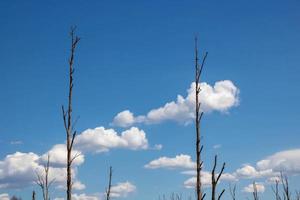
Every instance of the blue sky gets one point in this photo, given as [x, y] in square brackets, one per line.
[137, 56]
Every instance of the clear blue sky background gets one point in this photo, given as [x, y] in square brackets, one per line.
[138, 55]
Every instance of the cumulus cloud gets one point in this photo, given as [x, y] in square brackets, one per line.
[267, 169]
[101, 139]
[250, 172]
[19, 170]
[82, 197]
[4, 196]
[180, 161]
[122, 189]
[270, 167]
[220, 97]
[58, 156]
[205, 178]
[250, 188]
[286, 161]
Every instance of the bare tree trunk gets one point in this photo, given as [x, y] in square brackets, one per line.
[285, 186]
[232, 192]
[276, 190]
[43, 180]
[109, 184]
[33, 195]
[214, 180]
[67, 116]
[255, 193]
[199, 146]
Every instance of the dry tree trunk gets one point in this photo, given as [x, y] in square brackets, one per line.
[232, 192]
[108, 190]
[214, 180]
[285, 186]
[276, 190]
[43, 180]
[33, 195]
[255, 193]
[67, 116]
[199, 114]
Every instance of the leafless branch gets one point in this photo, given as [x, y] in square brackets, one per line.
[255, 193]
[33, 195]
[67, 114]
[232, 192]
[43, 180]
[198, 117]
[214, 180]
[285, 186]
[276, 190]
[108, 190]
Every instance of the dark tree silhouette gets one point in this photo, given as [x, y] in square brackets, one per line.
[43, 180]
[199, 114]
[67, 116]
[232, 192]
[109, 184]
[33, 195]
[215, 180]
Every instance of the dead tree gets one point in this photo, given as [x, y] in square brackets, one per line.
[285, 187]
[108, 190]
[43, 180]
[232, 192]
[199, 114]
[276, 190]
[33, 195]
[67, 116]
[215, 180]
[255, 192]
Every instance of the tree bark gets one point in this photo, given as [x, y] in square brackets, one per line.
[198, 116]
[67, 116]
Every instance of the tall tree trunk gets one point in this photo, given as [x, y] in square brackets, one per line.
[199, 146]
[67, 116]
[33, 195]
[109, 184]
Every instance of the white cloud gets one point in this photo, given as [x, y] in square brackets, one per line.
[158, 147]
[82, 197]
[16, 142]
[180, 161]
[286, 161]
[19, 170]
[122, 189]
[4, 196]
[101, 139]
[205, 178]
[250, 172]
[259, 187]
[126, 118]
[270, 167]
[217, 146]
[220, 97]
[58, 156]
